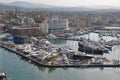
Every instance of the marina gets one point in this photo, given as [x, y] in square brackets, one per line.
[34, 72]
[59, 56]
[63, 65]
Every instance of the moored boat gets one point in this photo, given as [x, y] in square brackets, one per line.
[51, 36]
[92, 49]
[82, 56]
[3, 75]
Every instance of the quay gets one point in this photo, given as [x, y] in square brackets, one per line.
[60, 65]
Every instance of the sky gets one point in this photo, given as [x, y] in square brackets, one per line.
[115, 3]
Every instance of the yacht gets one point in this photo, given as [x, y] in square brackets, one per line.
[51, 36]
[82, 56]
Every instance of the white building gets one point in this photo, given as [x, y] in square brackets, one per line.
[56, 24]
[44, 27]
[30, 21]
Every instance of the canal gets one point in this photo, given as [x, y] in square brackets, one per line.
[18, 68]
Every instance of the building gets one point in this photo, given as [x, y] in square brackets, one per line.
[30, 21]
[19, 39]
[44, 28]
[57, 24]
[27, 31]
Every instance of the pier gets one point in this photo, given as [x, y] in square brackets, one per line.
[70, 38]
[60, 65]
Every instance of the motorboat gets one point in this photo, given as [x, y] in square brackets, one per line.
[3, 75]
[51, 36]
[82, 56]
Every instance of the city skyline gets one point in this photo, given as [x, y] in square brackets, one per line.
[72, 3]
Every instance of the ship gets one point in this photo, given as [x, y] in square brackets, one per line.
[92, 48]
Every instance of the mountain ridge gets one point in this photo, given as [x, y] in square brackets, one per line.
[28, 5]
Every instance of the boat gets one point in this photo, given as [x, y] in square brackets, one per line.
[79, 33]
[82, 56]
[92, 48]
[3, 75]
[68, 35]
[108, 47]
[51, 36]
[66, 50]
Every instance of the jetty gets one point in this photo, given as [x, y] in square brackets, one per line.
[117, 64]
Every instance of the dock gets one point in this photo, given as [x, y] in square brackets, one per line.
[60, 65]
[70, 38]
